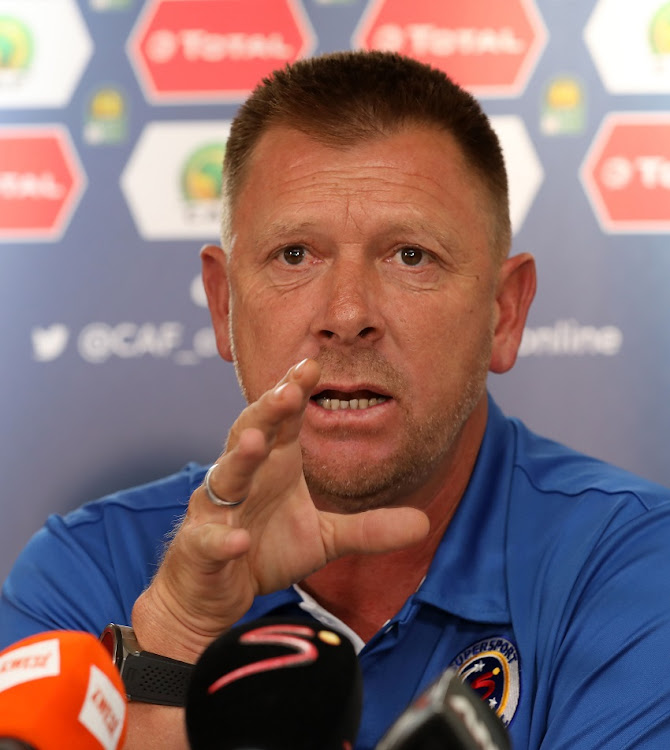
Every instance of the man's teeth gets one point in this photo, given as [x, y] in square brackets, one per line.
[333, 404]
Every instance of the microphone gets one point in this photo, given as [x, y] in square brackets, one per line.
[59, 689]
[275, 683]
[449, 715]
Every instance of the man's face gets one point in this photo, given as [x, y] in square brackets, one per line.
[375, 261]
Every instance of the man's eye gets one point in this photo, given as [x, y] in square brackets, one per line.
[294, 255]
[411, 256]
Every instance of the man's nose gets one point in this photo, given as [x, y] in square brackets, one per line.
[350, 307]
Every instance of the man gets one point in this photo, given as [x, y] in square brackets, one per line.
[363, 292]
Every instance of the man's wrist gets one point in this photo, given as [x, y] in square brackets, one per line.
[158, 630]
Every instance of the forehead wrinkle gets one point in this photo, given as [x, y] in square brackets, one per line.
[375, 177]
[356, 186]
[372, 172]
[355, 203]
[418, 220]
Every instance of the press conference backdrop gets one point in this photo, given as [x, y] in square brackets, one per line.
[114, 122]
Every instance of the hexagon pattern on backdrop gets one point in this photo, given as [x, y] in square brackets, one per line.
[114, 121]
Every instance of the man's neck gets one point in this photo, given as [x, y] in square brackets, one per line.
[365, 591]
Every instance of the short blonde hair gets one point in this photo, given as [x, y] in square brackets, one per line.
[343, 98]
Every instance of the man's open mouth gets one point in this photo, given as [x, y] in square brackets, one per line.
[336, 400]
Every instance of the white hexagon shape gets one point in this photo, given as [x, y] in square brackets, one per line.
[630, 45]
[44, 49]
[524, 170]
[172, 179]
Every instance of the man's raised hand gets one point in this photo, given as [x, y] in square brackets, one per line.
[222, 557]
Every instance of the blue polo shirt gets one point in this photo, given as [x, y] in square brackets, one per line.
[550, 593]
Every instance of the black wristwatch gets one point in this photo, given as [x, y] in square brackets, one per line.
[149, 678]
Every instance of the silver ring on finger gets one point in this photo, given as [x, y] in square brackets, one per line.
[213, 496]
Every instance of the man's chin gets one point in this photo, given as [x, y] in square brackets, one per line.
[356, 490]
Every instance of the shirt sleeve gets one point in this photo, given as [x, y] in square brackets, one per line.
[603, 669]
[86, 569]
[56, 583]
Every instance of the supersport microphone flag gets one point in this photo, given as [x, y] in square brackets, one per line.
[276, 683]
[59, 689]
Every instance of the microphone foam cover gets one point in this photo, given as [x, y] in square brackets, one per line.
[60, 689]
[275, 684]
[448, 715]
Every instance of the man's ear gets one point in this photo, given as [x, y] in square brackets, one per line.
[215, 280]
[516, 289]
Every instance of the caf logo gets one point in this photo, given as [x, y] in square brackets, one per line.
[659, 30]
[106, 116]
[201, 176]
[16, 45]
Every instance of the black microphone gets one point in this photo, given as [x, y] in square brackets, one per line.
[449, 715]
[275, 684]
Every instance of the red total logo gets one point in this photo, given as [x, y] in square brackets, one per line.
[214, 50]
[489, 48]
[41, 181]
[626, 173]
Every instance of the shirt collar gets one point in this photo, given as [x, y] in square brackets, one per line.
[287, 600]
[467, 576]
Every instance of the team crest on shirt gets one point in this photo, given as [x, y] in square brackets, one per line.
[491, 668]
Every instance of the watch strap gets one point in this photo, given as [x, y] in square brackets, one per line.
[151, 678]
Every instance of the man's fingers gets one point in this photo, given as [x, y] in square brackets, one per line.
[277, 413]
[214, 544]
[374, 531]
[231, 477]
[305, 375]
[281, 408]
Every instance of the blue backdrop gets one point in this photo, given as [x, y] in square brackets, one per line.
[114, 119]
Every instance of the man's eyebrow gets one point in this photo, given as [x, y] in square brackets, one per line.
[447, 238]
[280, 229]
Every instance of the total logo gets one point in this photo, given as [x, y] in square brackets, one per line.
[172, 181]
[642, 29]
[488, 48]
[214, 50]
[38, 67]
[99, 342]
[41, 181]
[626, 172]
